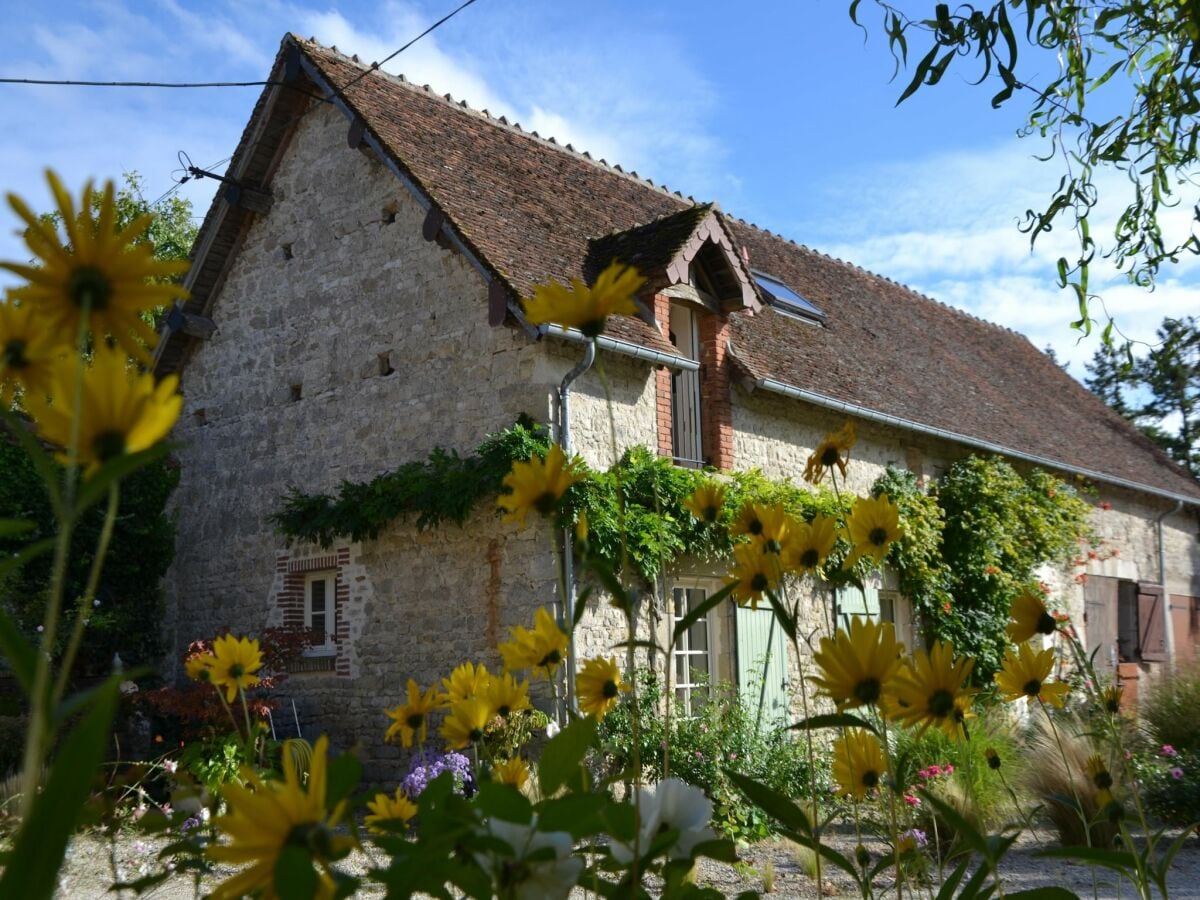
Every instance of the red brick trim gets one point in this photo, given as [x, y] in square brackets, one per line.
[290, 600]
[716, 410]
[662, 379]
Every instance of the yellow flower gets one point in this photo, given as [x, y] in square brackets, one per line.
[411, 719]
[761, 521]
[1024, 674]
[29, 353]
[706, 501]
[753, 573]
[235, 660]
[810, 544]
[513, 771]
[1029, 617]
[581, 527]
[992, 757]
[873, 526]
[267, 816]
[541, 649]
[1097, 770]
[1111, 698]
[932, 690]
[858, 763]
[599, 686]
[537, 484]
[99, 272]
[833, 451]
[583, 307]
[122, 412]
[859, 666]
[199, 667]
[385, 808]
[466, 723]
[506, 696]
[467, 680]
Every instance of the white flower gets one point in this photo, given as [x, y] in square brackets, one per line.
[670, 805]
[552, 729]
[129, 687]
[516, 876]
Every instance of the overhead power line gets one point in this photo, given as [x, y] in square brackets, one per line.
[140, 84]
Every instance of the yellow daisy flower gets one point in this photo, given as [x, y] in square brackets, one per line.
[541, 649]
[506, 696]
[1024, 674]
[706, 501]
[753, 573]
[583, 307]
[385, 808]
[466, 723]
[599, 686]
[199, 667]
[810, 545]
[992, 757]
[122, 412]
[1111, 698]
[513, 771]
[235, 660]
[1029, 617]
[411, 720]
[1097, 771]
[932, 690]
[833, 451]
[29, 353]
[873, 525]
[858, 763]
[858, 666]
[266, 816]
[99, 271]
[467, 680]
[760, 520]
[537, 484]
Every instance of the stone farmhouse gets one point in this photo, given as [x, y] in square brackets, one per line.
[355, 303]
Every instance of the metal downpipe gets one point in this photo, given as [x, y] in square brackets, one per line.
[1168, 619]
[568, 543]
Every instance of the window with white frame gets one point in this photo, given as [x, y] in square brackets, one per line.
[319, 610]
[686, 444]
[693, 653]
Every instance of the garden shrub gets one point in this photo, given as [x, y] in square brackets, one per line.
[1172, 786]
[1055, 783]
[1170, 710]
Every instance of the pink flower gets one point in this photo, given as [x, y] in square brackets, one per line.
[733, 756]
[934, 771]
[947, 769]
[1177, 773]
[170, 765]
[699, 755]
[1168, 750]
[911, 800]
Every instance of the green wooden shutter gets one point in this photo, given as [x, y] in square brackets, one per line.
[762, 665]
[853, 602]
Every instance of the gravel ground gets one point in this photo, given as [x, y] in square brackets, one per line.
[88, 872]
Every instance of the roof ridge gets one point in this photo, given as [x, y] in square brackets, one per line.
[501, 122]
[873, 274]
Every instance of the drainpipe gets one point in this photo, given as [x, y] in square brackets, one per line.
[568, 556]
[1168, 619]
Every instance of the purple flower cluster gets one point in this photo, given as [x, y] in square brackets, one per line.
[429, 764]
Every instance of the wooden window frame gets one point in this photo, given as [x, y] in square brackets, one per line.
[685, 706]
[329, 576]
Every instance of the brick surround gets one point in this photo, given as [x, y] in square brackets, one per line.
[290, 600]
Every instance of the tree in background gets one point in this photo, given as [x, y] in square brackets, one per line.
[1166, 381]
[1114, 85]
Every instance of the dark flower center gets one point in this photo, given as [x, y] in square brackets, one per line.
[1103, 779]
[1046, 624]
[476, 735]
[759, 582]
[610, 689]
[755, 526]
[415, 720]
[593, 328]
[1032, 688]
[546, 503]
[237, 670]
[108, 445]
[1112, 704]
[870, 778]
[829, 456]
[710, 513]
[312, 837]
[771, 546]
[553, 658]
[88, 286]
[14, 354]
[878, 536]
[504, 710]
[941, 703]
[513, 873]
[867, 690]
[993, 760]
[809, 558]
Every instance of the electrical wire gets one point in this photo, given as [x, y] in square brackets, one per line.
[142, 84]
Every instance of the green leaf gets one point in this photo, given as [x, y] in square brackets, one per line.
[950, 885]
[772, 802]
[580, 815]
[1118, 860]
[786, 622]
[720, 850]
[697, 613]
[1043, 893]
[13, 527]
[962, 827]
[295, 877]
[919, 75]
[834, 720]
[341, 778]
[22, 658]
[32, 872]
[503, 801]
[563, 755]
[817, 846]
[580, 607]
[620, 596]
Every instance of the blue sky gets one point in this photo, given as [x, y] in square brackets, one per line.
[778, 111]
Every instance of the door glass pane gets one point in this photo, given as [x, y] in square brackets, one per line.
[699, 665]
[698, 636]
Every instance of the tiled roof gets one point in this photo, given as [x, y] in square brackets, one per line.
[649, 247]
[533, 210]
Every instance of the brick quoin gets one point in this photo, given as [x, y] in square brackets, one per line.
[662, 378]
[290, 598]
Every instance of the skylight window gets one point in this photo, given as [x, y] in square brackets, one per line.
[783, 298]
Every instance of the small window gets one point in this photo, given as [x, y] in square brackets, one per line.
[319, 612]
[686, 444]
[783, 298]
[693, 652]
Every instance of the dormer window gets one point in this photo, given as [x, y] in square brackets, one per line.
[687, 445]
[788, 301]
